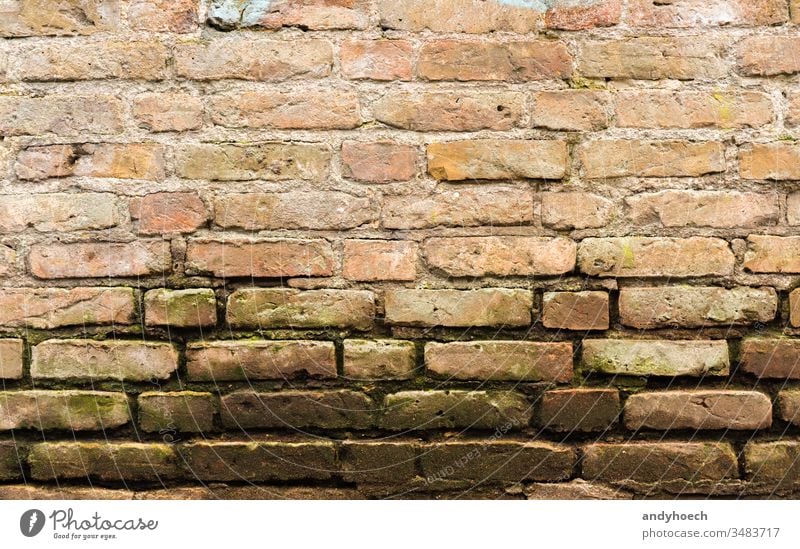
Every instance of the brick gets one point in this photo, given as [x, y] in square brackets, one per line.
[163, 15]
[61, 115]
[770, 358]
[379, 162]
[575, 310]
[793, 114]
[293, 210]
[369, 260]
[268, 161]
[651, 357]
[660, 462]
[253, 59]
[698, 13]
[777, 161]
[168, 112]
[793, 209]
[315, 15]
[465, 206]
[455, 409]
[58, 212]
[449, 110]
[27, 492]
[774, 464]
[772, 254]
[168, 213]
[574, 110]
[101, 160]
[789, 405]
[485, 61]
[735, 410]
[105, 461]
[8, 260]
[385, 462]
[64, 61]
[96, 360]
[180, 308]
[500, 360]
[497, 159]
[379, 359]
[338, 409]
[11, 358]
[603, 159]
[575, 210]
[11, 460]
[794, 308]
[234, 360]
[457, 308]
[68, 410]
[290, 308]
[376, 59]
[577, 489]
[689, 110]
[260, 258]
[20, 18]
[257, 461]
[183, 411]
[641, 256]
[718, 209]
[100, 259]
[695, 306]
[579, 410]
[794, 10]
[500, 255]
[49, 308]
[467, 16]
[652, 58]
[768, 55]
[327, 109]
[499, 461]
[595, 13]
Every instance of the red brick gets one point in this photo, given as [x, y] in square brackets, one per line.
[700, 13]
[575, 310]
[575, 210]
[368, 260]
[167, 213]
[789, 403]
[377, 59]
[245, 162]
[778, 161]
[58, 212]
[100, 259]
[794, 307]
[49, 308]
[622, 158]
[770, 358]
[379, 162]
[314, 15]
[11, 359]
[101, 160]
[579, 410]
[67, 410]
[468, 16]
[163, 15]
[652, 357]
[20, 18]
[168, 112]
[497, 159]
[709, 409]
[171, 412]
[457, 308]
[719, 209]
[180, 308]
[772, 254]
[577, 110]
[69, 115]
[570, 16]
[379, 359]
[768, 55]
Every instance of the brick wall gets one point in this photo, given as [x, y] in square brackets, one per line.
[370, 248]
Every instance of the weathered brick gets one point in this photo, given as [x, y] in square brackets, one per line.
[64, 61]
[29, 492]
[268, 161]
[379, 359]
[58, 212]
[468, 16]
[699, 13]
[794, 10]
[773, 464]
[378, 162]
[184, 411]
[713, 109]
[500, 360]
[68, 410]
[100, 259]
[168, 112]
[575, 210]
[641, 256]
[794, 307]
[167, 213]
[579, 410]
[20, 18]
[234, 360]
[566, 15]
[339, 409]
[180, 308]
[699, 409]
[575, 310]
[660, 462]
[383, 461]
[91, 360]
[508, 61]
[772, 254]
[8, 260]
[368, 260]
[629, 157]
[793, 208]
[253, 59]
[163, 15]
[652, 357]
[376, 59]
[11, 460]
[290, 308]
[455, 409]
[768, 55]
[789, 405]
[770, 161]
[718, 209]
[577, 489]
[497, 159]
[48, 308]
[770, 358]
[457, 308]
[449, 110]
[466, 206]
[260, 258]
[695, 306]
[61, 115]
[793, 114]
[293, 210]
[578, 110]
[11, 358]
[315, 15]
[102, 160]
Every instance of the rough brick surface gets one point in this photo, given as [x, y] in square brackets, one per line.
[738, 410]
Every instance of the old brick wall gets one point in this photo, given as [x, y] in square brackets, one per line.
[370, 248]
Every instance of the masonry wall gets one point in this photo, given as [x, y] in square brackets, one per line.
[387, 248]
